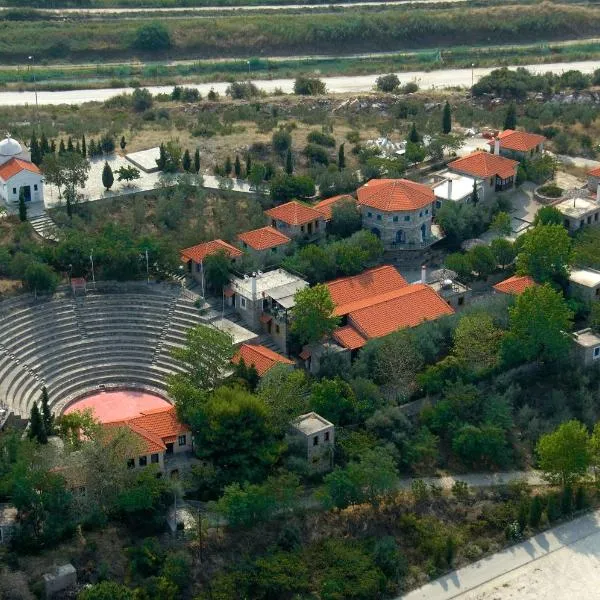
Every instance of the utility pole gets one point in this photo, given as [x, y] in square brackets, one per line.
[147, 269]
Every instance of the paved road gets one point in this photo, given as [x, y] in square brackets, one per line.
[200, 9]
[541, 557]
[433, 79]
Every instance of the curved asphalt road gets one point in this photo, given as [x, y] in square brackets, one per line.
[364, 83]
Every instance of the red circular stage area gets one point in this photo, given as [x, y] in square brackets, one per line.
[118, 405]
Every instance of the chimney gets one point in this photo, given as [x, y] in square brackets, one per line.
[424, 274]
[496, 146]
[449, 189]
[253, 287]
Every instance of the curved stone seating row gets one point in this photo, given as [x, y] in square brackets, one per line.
[102, 339]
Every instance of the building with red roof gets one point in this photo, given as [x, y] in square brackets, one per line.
[326, 206]
[514, 285]
[398, 211]
[18, 175]
[349, 292]
[519, 145]
[266, 245]
[378, 302]
[194, 257]
[261, 357]
[161, 436]
[492, 172]
[594, 180]
[297, 220]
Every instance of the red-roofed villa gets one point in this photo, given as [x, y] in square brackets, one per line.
[518, 145]
[399, 212]
[493, 173]
[18, 175]
[378, 302]
[297, 220]
[194, 257]
[263, 358]
[514, 285]
[266, 245]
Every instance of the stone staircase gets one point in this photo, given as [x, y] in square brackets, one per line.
[44, 226]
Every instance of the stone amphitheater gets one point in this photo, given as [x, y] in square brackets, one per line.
[118, 335]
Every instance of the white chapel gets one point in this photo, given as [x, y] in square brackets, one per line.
[17, 173]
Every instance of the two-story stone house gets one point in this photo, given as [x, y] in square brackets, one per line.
[194, 257]
[297, 220]
[164, 441]
[266, 246]
[398, 211]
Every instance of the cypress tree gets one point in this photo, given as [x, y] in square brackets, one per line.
[289, 163]
[186, 161]
[107, 176]
[228, 166]
[510, 120]
[34, 148]
[475, 194]
[252, 377]
[447, 118]
[161, 161]
[237, 167]
[413, 136]
[77, 147]
[61, 147]
[341, 158]
[22, 206]
[53, 147]
[92, 151]
[83, 147]
[47, 417]
[70, 147]
[37, 431]
[248, 164]
[197, 160]
[123, 143]
[44, 146]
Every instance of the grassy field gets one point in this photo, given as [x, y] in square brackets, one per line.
[64, 77]
[281, 35]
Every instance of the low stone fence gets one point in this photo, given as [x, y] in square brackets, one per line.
[546, 200]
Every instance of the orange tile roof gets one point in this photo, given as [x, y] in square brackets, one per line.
[346, 292]
[16, 165]
[261, 357]
[409, 307]
[391, 195]
[199, 252]
[485, 164]
[325, 206]
[155, 427]
[519, 141]
[294, 213]
[515, 285]
[595, 172]
[349, 338]
[264, 238]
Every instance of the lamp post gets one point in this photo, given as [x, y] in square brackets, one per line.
[248, 63]
[93, 274]
[472, 75]
[34, 85]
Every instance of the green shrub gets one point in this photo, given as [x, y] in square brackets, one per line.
[152, 37]
[322, 139]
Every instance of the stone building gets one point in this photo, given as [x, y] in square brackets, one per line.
[518, 145]
[317, 438]
[297, 220]
[399, 212]
[265, 246]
